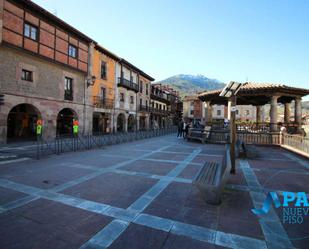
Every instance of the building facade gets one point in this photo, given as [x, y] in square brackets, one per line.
[194, 109]
[132, 93]
[54, 74]
[44, 74]
[102, 97]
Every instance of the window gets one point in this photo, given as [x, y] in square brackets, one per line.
[122, 97]
[146, 86]
[72, 51]
[31, 31]
[141, 86]
[103, 70]
[191, 112]
[26, 75]
[68, 89]
[218, 112]
[237, 112]
[131, 100]
[146, 103]
[103, 93]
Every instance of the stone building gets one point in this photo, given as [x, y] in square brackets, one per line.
[128, 96]
[194, 109]
[103, 90]
[43, 72]
[164, 106]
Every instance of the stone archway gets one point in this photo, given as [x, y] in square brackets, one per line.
[65, 121]
[21, 123]
[121, 122]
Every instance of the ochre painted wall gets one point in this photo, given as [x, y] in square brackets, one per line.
[109, 82]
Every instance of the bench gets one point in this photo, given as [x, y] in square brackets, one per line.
[212, 178]
[199, 134]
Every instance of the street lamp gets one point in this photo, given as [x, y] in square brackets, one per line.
[230, 92]
[91, 80]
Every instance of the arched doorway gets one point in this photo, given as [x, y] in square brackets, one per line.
[65, 121]
[120, 122]
[131, 123]
[21, 123]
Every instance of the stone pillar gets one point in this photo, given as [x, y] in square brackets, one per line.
[287, 113]
[258, 114]
[1, 19]
[273, 113]
[137, 122]
[209, 112]
[126, 119]
[229, 103]
[298, 113]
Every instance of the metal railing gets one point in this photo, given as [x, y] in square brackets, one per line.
[62, 144]
[127, 84]
[297, 142]
[104, 103]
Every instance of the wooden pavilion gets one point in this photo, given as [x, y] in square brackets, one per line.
[259, 94]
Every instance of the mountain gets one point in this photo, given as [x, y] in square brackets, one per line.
[188, 84]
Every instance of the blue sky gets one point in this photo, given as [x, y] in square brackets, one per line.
[261, 40]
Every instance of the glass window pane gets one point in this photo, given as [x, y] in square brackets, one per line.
[27, 30]
[33, 33]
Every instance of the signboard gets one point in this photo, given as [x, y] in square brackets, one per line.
[233, 108]
[75, 126]
[39, 127]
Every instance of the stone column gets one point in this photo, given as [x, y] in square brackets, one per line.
[209, 112]
[229, 103]
[1, 19]
[298, 113]
[273, 113]
[126, 119]
[258, 114]
[137, 122]
[287, 113]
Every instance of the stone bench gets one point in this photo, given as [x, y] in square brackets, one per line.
[199, 134]
[212, 178]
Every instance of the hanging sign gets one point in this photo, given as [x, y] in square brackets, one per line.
[39, 127]
[75, 126]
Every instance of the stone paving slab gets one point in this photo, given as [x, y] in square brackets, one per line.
[47, 224]
[151, 167]
[113, 189]
[49, 177]
[168, 156]
[8, 195]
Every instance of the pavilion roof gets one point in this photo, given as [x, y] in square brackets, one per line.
[252, 93]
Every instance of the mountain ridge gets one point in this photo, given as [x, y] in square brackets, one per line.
[188, 84]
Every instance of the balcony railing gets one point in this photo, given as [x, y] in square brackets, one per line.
[103, 103]
[160, 97]
[127, 84]
[158, 111]
[143, 108]
[68, 95]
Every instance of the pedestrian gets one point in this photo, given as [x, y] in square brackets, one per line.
[180, 128]
[187, 127]
[184, 129]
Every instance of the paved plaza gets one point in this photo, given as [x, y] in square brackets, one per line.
[140, 195]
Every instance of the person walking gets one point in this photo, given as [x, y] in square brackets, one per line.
[184, 129]
[180, 128]
[187, 127]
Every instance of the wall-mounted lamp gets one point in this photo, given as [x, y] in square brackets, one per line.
[91, 80]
